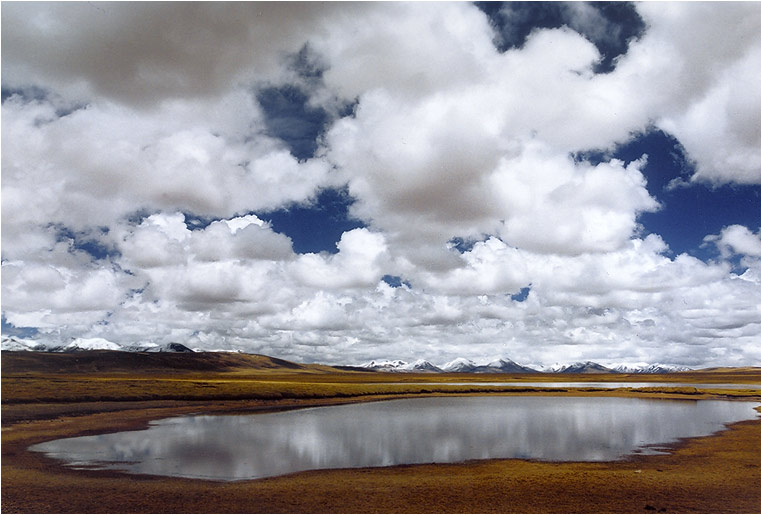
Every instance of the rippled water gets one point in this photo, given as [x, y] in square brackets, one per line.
[440, 430]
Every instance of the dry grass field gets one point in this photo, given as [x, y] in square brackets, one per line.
[48, 396]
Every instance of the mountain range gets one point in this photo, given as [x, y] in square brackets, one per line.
[507, 366]
[464, 365]
[85, 344]
[459, 365]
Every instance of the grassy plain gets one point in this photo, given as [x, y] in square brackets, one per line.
[48, 396]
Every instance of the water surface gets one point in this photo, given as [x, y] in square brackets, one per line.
[430, 430]
[590, 384]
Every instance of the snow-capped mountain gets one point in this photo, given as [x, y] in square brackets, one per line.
[459, 365]
[463, 365]
[499, 366]
[153, 347]
[169, 347]
[580, 367]
[421, 365]
[385, 365]
[551, 369]
[91, 344]
[101, 344]
[398, 365]
[20, 344]
[13, 343]
[645, 368]
[504, 366]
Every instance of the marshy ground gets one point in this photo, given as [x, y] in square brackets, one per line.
[48, 396]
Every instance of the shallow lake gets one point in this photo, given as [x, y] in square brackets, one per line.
[429, 430]
[602, 384]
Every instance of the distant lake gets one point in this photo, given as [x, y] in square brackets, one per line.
[429, 430]
[602, 384]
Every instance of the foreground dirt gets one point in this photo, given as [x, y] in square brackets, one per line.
[715, 474]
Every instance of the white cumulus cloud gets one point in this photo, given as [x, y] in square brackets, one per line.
[135, 152]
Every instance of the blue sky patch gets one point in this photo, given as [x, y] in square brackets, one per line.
[31, 93]
[395, 281]
[461, 245]
[522, 295]
[464, 245]
[315, 227]
[608, 25]
[87, 241]
[290, 118]
[9, 329]
[37, 94]
[196, 222]
[307, 65]
[691, 211]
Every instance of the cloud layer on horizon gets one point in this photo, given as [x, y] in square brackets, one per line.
[122, 122]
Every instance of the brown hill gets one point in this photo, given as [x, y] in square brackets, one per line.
[118, 361]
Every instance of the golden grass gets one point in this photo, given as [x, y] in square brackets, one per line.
[102, 388]
[129, 377]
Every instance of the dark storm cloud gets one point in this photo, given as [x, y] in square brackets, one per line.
[141, 53]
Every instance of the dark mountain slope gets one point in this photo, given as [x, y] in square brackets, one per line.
[118, 361]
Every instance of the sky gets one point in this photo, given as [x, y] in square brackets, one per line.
[345, 182]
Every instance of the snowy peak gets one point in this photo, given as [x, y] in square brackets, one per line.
[586, 367]
[386, 365]
[88, 344]
[506, 366]
[422, 365]
[20, 344]
[91, 344]
[645, 368]
[499, 366]
[170, 347]
[459, 365]
[629, 368]
[398, 365]
[153, 347]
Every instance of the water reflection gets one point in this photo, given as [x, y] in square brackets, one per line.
[399, 432]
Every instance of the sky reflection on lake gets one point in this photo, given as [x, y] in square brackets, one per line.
[441, 430]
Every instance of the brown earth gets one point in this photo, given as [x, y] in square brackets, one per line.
[715, 474]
